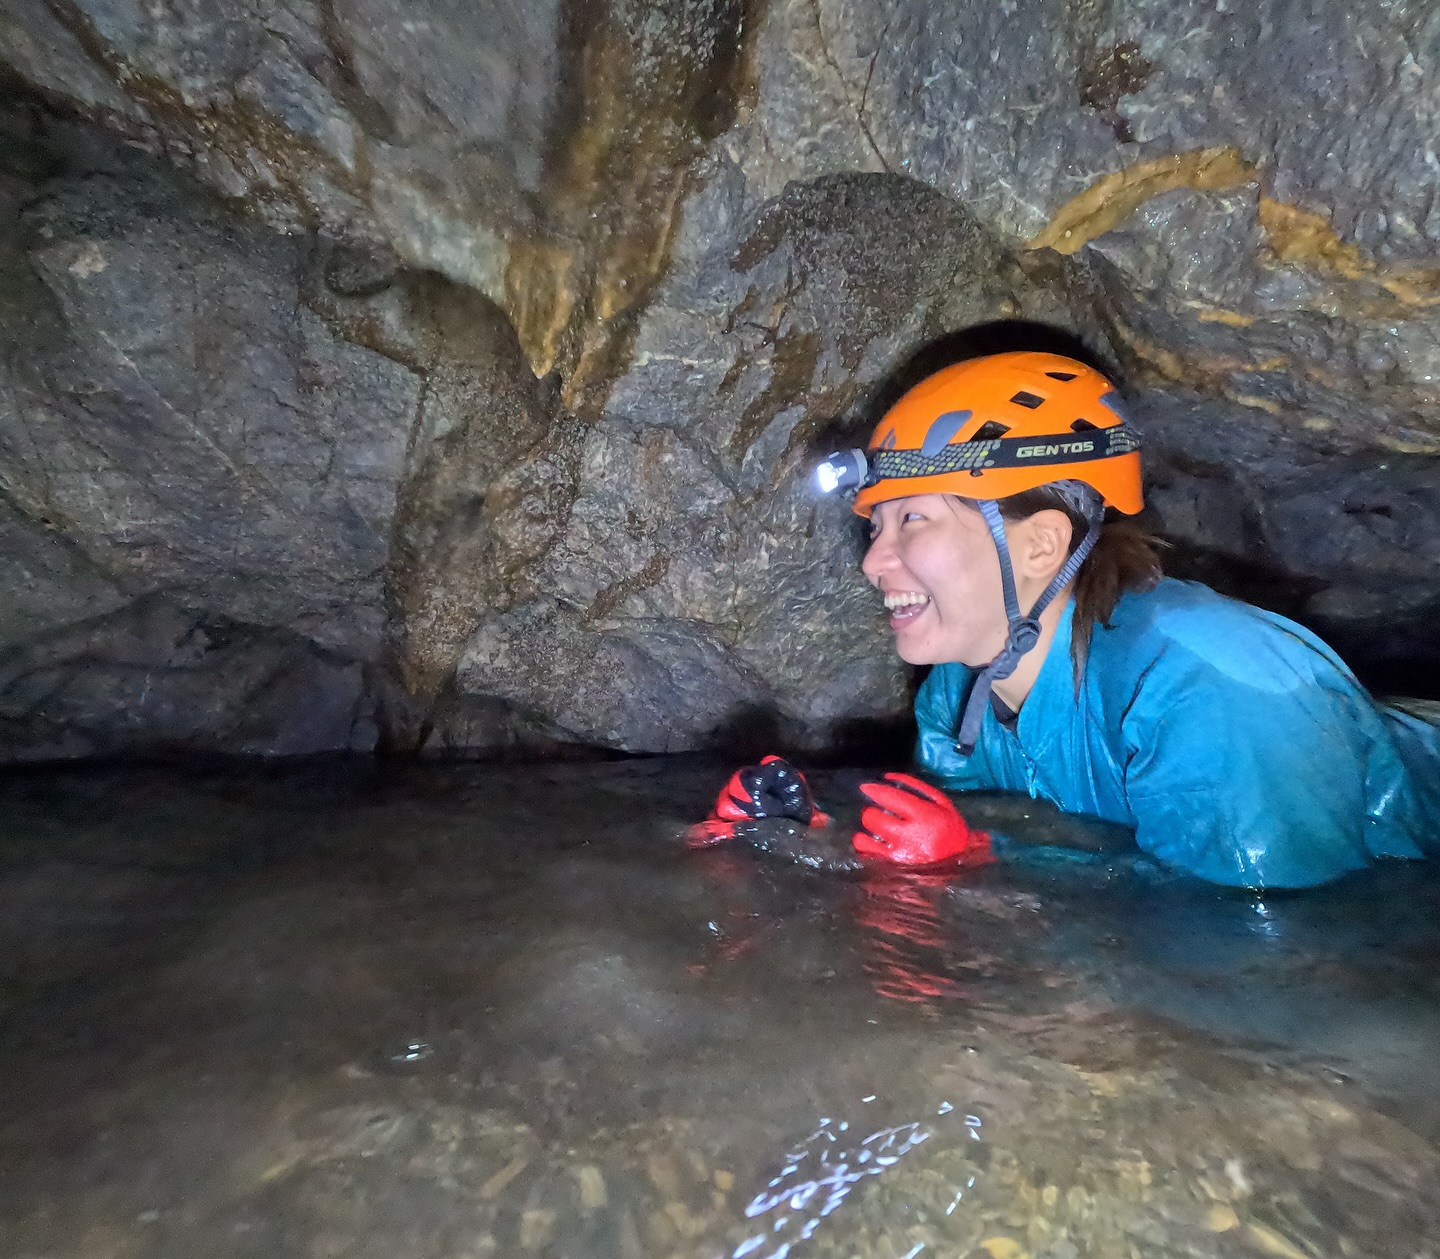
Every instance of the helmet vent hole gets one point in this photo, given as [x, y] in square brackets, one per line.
[1061, 375]
[1030, 400]
[990, 431]
[1084, 426]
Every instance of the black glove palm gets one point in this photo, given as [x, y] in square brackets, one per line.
[774, 788]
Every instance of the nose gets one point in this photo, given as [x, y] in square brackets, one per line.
[879, 555]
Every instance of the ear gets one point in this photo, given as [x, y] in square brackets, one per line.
[1046, 544]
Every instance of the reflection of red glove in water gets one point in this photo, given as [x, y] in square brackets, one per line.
[905, 945]
[910, 823]
[772, 789]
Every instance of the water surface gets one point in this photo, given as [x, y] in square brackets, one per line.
[334, 1010]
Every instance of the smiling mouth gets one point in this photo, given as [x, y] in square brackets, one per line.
[904, 607]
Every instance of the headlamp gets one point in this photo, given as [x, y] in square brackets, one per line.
[842, 470]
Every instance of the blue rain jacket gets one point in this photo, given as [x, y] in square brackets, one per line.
[1235, 742]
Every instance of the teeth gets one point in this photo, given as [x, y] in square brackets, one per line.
[903, 599]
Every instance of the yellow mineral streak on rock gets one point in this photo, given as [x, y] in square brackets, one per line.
[1113, 198]
[1004, 1248]
[618, 164]
[1417, 287]
[1254, 400]
[1306, 239]
[724, 1181]
[542, 298]
[1302, 236]
[1195, 369]
[1213, 314]
[1404, 446]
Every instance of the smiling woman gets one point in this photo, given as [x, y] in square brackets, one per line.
[1235, 742]
[982, 429]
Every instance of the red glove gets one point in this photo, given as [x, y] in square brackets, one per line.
[910, 823]
[772, 789]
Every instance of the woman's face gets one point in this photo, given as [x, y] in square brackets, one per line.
[933, 559]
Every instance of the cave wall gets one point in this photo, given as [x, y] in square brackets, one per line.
[444, 378]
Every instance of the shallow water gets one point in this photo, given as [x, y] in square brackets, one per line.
[329, 1010]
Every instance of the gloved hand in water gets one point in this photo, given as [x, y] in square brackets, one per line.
[772, 789]
[911, 823]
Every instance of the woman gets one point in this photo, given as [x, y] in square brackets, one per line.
[1235, 742]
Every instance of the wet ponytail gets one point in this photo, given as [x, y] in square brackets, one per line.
[1124, 559]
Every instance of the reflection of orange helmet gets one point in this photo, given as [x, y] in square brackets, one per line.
[995, 426]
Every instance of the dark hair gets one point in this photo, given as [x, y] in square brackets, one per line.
[1124, 559]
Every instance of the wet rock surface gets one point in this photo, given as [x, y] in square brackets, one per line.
[696, 581]
[471, 1012]
[199, 479]
[477, 385]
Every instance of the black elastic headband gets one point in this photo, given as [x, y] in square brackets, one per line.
[1003, 452]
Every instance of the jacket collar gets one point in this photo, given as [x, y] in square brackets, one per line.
[1052, 698]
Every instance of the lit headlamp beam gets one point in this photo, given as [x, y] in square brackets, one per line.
[842, 470]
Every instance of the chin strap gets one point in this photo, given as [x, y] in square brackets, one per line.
[1024, 630]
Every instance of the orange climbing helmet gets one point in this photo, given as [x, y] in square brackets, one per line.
[992, 427]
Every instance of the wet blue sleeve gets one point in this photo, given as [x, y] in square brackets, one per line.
[937, 714]
[1414, 807]
[1247, 758]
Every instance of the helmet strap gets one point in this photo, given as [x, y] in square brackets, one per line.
[1024, 631]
